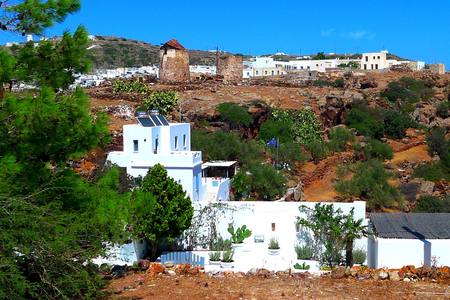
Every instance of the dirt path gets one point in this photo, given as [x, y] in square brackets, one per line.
[252, 287]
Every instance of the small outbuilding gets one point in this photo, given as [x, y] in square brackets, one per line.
[400, 239]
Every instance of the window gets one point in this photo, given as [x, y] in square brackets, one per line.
[367, 58]
[265, 72]
[378, 57]
[374, 57]
[376, 66]
[278, 72]
[135, 145]
[176, 142]
[365, 67]
[184, 140]
[273, 72]
[371, 66]
[155, 150]
[257, 72]
[273, 227]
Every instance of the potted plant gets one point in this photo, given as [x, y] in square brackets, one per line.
[214, 258]
[274, 247]
[239, 234]
[227, 259]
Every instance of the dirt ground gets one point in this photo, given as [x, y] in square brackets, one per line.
[136, 286]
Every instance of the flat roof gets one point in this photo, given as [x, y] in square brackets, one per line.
[221, 163]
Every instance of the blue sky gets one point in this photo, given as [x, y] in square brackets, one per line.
[411, 29]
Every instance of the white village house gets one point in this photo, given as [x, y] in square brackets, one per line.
[401, 239]
[153, 140]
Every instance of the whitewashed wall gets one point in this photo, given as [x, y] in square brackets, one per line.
[396, 253]
[259, 216]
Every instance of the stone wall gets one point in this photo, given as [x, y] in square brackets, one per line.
[230, 67]
[174, 65]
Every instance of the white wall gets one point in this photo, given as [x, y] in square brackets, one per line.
[396, 253]
[259, 216]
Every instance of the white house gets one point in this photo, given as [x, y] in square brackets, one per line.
[401, 239]
[374, 61]
[153, 140]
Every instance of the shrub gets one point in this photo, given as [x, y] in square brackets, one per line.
[443, 109]
[305, 252]
[359, 256]
[370, 183]
[267, 182]
[241, 184]
[280, 129]
[318, 150]
[377, 149]
[396, 123]
[439, 145]
[228, 256]
[273, 244]
[130, 86]
[214, 256]
[234, 114]
[288, 154]
[164, 101]
[302, 266]
[432, 172]
[339, 137]
[406, 92]
[302, 124]
[339, 83]
[322, 83]
[366, 122]
[433, 204]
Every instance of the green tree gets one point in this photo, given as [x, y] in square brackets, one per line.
[159, 209]
[439, 144]
[333, 232]
[433, 204]
[266, 182]
[339, 138]
[53, 221]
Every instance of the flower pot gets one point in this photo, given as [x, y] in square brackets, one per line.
[214, 262]
[226, 265]
[237, 246]
[140, 248]
[274, 251]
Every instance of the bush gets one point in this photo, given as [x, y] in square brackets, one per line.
[406, 92]
[280, 129]
[443, 109]
[322, 83]
[267, 182]
[241, 185]
[339, 83]
[288, 154]
[214, 256]
[164, 101]
[318, 150]
[339, 137]
[366, 122]
[273, 244]
[234, 114]
[439, 145]
[396, 123]
[359, 256]
[377, 149]
[432, 204]
[370, 183]
[304, 252]
[432, 172]
[302, 266]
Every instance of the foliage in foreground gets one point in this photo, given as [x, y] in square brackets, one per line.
[333, 231]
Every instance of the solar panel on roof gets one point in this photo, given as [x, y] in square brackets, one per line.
[156, 120]
[163, 120]
[146, 122]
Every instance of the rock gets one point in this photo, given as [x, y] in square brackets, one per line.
[143, 264]
[383, 275]
[406, 279]
[427, 187]
[353, 272]
[155, 269]
[338, 273]
[298, 192]
[183, 269]
[394, 276]
[169, 265]
[171, 272]
[263, 273]
[252, 271]
[118, 271]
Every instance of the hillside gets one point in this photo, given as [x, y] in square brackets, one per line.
[115, 52]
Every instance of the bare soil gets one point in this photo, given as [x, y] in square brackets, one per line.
[202, 286]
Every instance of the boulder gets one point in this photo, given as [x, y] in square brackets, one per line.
[383, 275]
[143, 264]
[155, 269]
[394, 276]
[338, 273]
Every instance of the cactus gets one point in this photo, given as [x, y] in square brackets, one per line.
[239, 234]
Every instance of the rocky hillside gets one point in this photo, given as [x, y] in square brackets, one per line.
[115, 52]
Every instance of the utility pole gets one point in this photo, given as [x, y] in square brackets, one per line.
[217, 60]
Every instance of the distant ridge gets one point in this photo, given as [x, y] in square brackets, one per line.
[108, 52]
